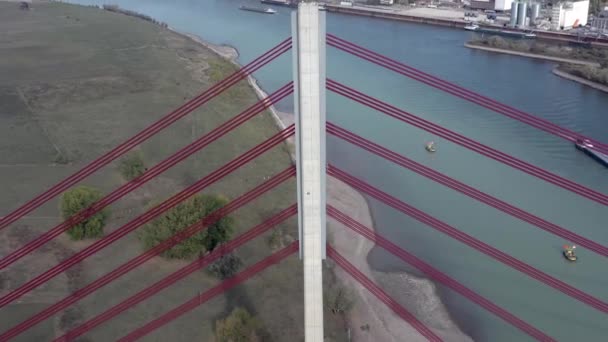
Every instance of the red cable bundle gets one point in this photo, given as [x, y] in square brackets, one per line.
[142, 258]
[140, 137]
[180, 274]
[209, 294]
[149, 215]
[437, 275]
[381, 295]
[466, 142]
[161, 167]
[469, 240]
[465, 189]
[460, 92]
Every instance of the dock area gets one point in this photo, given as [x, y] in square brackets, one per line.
[393, 14]
[449, 18]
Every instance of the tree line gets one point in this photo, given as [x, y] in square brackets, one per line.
[239, 325]
[163, 227]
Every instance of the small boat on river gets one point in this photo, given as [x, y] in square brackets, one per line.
[569, 253]
[258, 10]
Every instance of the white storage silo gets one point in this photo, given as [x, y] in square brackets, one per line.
[514, 9]
[534, 13]
[521, 15]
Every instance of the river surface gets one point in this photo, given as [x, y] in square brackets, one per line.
[526, 84]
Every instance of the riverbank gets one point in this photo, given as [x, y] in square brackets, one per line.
[418, 295]
[78, 81]
[566, 104]
[231, 54]
[395, 14]
[383, 323]
[530, 55]
[580, 80]
[441, 17]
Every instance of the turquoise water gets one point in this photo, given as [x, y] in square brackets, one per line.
[523, 83]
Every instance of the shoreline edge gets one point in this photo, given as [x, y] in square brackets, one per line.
[386, 325]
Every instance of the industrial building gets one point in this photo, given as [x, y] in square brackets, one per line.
[502, 5]
[497, 5]
[601, 21]
[567, 15]
[524, 14]
[563, 15]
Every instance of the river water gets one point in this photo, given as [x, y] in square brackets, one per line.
[523, 83]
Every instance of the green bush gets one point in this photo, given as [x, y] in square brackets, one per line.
[239, 326]
[579, 52]
[518, 45]
[182, 216]
[226, 266]
[498, 42]
[539, 48]
[594, 74]
[132, 165]
[77, 199]
[275, 239]
[61, 159]
[502, 43]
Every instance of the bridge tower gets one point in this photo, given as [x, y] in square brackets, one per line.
[308, 32]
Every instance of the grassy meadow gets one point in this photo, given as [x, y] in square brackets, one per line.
[76, 81]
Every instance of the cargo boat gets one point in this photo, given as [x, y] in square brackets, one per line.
[512, 34]
[258, 10]
[587, 147]
[287, 3]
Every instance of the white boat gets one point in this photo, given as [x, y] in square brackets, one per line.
[471, 27]
[587, 147]
[496, 31]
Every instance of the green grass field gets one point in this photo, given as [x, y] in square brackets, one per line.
[76, 81]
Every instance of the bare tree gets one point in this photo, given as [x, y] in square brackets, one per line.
[339, 300]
